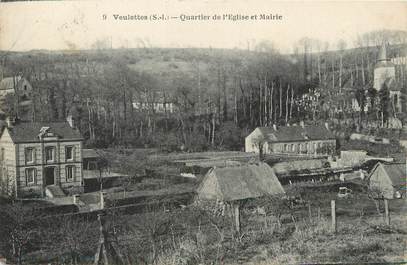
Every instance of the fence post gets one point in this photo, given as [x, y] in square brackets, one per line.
[386, 212]
[333, 216]
[237, 215]
[102, 200]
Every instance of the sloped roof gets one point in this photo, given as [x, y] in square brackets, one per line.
[241, 182]
[89, 153]
[284, 168]
[28, 131]
[396, 173]
[296, 133]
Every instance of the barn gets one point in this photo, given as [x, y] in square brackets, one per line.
[237, 183]
[389, 180]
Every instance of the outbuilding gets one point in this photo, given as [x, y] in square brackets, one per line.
[389, 180]
[229, 186]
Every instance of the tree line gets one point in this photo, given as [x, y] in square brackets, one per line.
[217, 96]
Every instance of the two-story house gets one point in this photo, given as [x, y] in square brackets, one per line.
[40, 155]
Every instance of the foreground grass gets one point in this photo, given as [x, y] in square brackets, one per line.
[358, 240]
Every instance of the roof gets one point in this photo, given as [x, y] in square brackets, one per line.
[89, 153]
[395, 171]
[284, 168]
[297, 133]
[240, 182]
[382, 60]
[29, 131]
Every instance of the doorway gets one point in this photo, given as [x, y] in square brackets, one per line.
[49, 175]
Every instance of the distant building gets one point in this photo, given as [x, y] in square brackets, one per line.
[11, 85]
[385, 76]
[307, 140]
[155, 102]
[39, 155]
[235, 183]
[388, 180]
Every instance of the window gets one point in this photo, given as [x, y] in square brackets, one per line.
[92, 166]
[69, 153]
[2, 154]
[285, 147]
[29, 155]
[49, 154]
[70, 173]
[30, 175]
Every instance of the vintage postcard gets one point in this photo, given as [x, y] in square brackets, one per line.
[203, 132]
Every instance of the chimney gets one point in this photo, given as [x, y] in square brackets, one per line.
[275, 127]
[10, 122]
[327, 126]
[302, 124]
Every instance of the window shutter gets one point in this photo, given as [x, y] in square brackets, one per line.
[35, 174]
[26, 177]
[34, 157]
[73, 153]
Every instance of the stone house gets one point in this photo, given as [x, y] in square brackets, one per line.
[40, 155]
[307, 140]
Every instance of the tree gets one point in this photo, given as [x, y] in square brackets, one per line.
[259, 141]
[70, 235]
[150, 225]
[384, 104]
[229, 135]
[6, 182]
[18, 228]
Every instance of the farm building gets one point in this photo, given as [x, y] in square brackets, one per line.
[239, 182]
[41, 156]
[389, 179]
[307, 140]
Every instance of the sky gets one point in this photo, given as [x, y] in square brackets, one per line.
[76, 25]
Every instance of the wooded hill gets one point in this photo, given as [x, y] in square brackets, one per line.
[220, 95]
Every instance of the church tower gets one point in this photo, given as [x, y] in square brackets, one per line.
[384, 69]
[385, 76]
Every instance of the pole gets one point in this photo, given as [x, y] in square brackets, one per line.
[386, 211]
[333, 216]
[237, 216]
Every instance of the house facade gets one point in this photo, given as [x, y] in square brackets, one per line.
[36, 155]
[306, 140]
